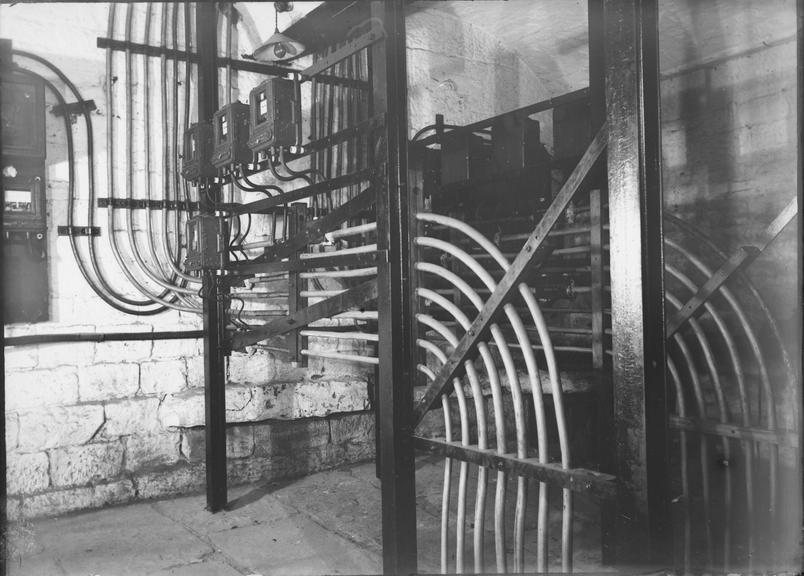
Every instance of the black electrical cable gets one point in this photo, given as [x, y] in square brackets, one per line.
[101, 288]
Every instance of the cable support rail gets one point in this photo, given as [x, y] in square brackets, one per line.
[738, 261]
[327, 260]
[528, 110]
[365, 40]
[364, 127]
[373, 360]
[531, 252]
[786, 438]
[316, 230]
[147, 204]
[598, 484]
[350, 299]
[266, 204]
[183, 55]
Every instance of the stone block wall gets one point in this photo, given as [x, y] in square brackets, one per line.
[90, 424]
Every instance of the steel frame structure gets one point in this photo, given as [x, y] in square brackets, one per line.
[624, 75]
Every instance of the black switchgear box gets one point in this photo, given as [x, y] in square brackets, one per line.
[273, 115]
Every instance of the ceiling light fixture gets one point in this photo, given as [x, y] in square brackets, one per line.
[279, 47]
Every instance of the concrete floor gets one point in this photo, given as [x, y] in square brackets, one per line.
[326, 523]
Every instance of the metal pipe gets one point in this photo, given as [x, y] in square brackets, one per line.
[36, 339]
[685, 489]
[351, 231]
[356, 250]
[353, 273]
[770, 406]
[703, 342]
[464, 468]
[160, 299]
[367, 336]
[343, 357]
[734, 355]
[541, 325]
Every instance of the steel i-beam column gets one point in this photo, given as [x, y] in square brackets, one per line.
[213, 310]
[389, 84]
[637, 281]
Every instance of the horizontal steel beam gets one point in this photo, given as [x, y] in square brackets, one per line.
[353, 298]
[531, 252]
[597, 484]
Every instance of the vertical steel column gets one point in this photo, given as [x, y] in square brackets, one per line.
[637, 280]
[800, 256]
[396, 329]
[298, 213]
[603, 384]
[213, 309]
[3, 486]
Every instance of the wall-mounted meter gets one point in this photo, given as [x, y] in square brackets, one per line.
[195, 163]
[231, 130]
[273, 117]
[25, 278]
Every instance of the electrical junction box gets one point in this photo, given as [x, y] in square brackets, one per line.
[25, 271]
[195, 163]
[231, 131]
[273, 115]
[207, 243]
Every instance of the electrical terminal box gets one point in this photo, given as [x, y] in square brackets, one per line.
[273, 115]
[207, 243]
[516, 142]
[231, 133]
[198, 152]
[464, 156]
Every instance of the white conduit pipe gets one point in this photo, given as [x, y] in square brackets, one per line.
[346, 251]
[367, 336]
[460, 535]
[353, 273]
[344, 357]
[353, 231]
[519, 416]
[549, 353]
[357, 315]
[447, 473]
[480, 411]
[320, 293]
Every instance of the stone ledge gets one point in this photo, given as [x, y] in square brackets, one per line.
[274, 401]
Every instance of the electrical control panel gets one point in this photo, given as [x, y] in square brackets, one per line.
[231, 131]
[197, 152]
[273, 115]
[25, 271]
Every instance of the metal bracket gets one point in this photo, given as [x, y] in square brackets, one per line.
[79, 231]
[142, 204]
[74, 108]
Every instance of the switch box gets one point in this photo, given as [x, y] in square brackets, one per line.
[516, 142]
[464, 156]
[273, 116]
[231, 131]
[197, 153]
[25, 270]
[23, 116]
[207, 243]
